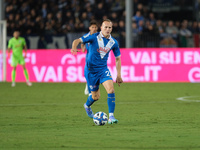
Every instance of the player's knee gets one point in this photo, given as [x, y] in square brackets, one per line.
[96, 96]
[111, 90]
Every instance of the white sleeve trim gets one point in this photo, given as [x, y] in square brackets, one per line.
[81, 40]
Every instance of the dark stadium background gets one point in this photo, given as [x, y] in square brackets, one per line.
[44, 22]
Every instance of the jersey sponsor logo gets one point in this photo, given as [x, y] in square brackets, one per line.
[103, 51]
[18, 45]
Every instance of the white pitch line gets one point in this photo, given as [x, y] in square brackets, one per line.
[188, 99]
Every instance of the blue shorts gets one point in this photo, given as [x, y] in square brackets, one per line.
[95, 78]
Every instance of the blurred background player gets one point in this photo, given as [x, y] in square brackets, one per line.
[97, 72]
[92, 29]
[17, 44]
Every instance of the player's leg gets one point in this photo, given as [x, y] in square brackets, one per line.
[94, 93]
[26, 76]
[93, 97]
[107, 82]
[13, 74]
[86, 92]
[14, 63]
[25, 73]
[108, 85]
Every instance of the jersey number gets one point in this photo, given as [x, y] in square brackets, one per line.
[108, 73]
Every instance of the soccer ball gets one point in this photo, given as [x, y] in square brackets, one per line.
[100, 118]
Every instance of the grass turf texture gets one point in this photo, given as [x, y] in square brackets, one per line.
[51, 116]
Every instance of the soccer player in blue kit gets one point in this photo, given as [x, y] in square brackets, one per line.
[101, 43]
[93, 29]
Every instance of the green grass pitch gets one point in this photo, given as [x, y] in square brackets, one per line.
[51, 116]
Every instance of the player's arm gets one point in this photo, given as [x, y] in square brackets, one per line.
[118, 68]
[83, 39]
[25, 50]
[9, 48]
[83, 47]
[75, 43]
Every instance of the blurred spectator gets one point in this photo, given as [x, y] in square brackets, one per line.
[172, 30]
[135, 33]
[40, 26]
[25, 7]
[194, 28]
[145, 12]
[44, 10]
[99, 11]
[150, 35]
[65, 16]
[9, 10]
[117, 5]
[178, 24]
[138, 16]
[141, 26]
[49, 18]
[49, 29]
[159, 27]
[104, 17]
[42, 44]
[165, 39]
[33, 15]
[59, 17]
[84, 19]
[152, 19]
[135, 30]
[135, 5]
[122, 34]
[114, 27]
[168, 42]
[147, 23]
[184, 34]
[68, 16]
[61, 4]
[138, 7]
[114, 17]
[89, 13]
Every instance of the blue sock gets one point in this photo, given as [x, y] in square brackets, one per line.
[90, 101]
[111, 102]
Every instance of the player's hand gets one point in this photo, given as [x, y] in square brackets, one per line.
[119, 80]
[74, 51]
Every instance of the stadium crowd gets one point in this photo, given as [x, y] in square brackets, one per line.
[54, 17]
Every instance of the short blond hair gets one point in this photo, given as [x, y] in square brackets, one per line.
[107, 20]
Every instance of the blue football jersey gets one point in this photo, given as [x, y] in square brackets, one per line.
[99, 50]
[87, 45]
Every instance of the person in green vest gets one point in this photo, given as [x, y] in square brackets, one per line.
[17, 44]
